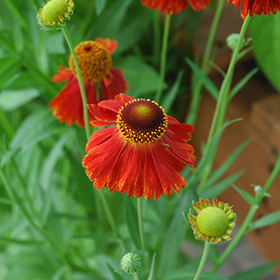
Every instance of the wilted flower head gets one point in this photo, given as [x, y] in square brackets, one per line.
[213, 222]
[174, 6]
[95, 62]
[142, 150]
[54, 13]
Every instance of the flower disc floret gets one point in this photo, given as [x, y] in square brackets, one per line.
[214, 222]
[54, 13]
[94, 61]
[142, 121]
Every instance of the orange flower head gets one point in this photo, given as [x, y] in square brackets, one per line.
[141, 152]
[174, 6]
[257, 7]
[95, 62]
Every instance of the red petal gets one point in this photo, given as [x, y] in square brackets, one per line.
[64, 74]
[109, 44]
[168, 6]
[179, 132]
[113, 84]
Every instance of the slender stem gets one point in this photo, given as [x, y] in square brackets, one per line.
[163, 57]
[135, 276]
[198, 85]
[79, 76]
[223, 98]
[110, 217]
[35, 225]
[140, 223]
[203, 260]
[241, 232]
[6, 126]
[156, 43]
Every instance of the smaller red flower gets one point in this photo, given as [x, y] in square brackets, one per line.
[174, 6]
[142, 150]
[95, 62]
[257, 7]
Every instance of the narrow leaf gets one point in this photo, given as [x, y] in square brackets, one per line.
[255, 273]
[266, 220]
[250, 199]
[209, 85]
[22, 242]
[151, 274]
[99, 5]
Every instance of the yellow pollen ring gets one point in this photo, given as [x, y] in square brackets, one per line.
[94, 60]
[142, 121]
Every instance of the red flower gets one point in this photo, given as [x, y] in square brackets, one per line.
[174, 6]
[257, 7]
[94, 58]
[142, 154]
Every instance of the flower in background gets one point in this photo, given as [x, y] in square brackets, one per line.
[54, 13]
[213, 222]
[174, 6]
[256, 7]
[94, 58]
[142, 154]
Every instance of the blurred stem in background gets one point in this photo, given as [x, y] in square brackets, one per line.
[244, 228]
[163, 58]
[222, 103]
[79, 76]
[197, 85]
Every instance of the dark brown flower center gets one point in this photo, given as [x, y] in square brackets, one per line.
[142, 121]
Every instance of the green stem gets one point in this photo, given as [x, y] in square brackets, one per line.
[203, 260]
[6, 126]
[35, 225]
[156, 43]
[241, 232]
[163, 58]
[198, 85]
[221, 106]
[135, 276]
[79, 76]
[111, 218]
[140, 223]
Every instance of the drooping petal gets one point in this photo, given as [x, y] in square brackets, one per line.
[67, 106]
[179, 132]
[168, 6]
[63, 74]
[109, 44]
[102, 117]
[113, 84]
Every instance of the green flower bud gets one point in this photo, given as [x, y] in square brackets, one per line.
[213, 222]
[131, 263]
[54, 13]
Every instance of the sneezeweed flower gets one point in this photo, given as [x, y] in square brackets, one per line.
[54, 13]
[94, 58]
[214, 221]
[257, 7]
[141, 152]
[174, 6]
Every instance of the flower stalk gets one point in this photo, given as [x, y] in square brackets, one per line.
[202, 260]
[79, 77]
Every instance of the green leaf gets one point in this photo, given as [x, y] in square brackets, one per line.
[219, 172]
[250, 199]
[266, 221]
[255, 273]
[264, 31]
[209, 85]
[22, 242]
[13, 99]
[131, 219]
[151, 274]
[33, 129]
[189, 275]
[115, 274]
[171, 95]
[243, 82]
[7, 62]
[96, 236]
[5, 201]
[99, 5]
[218, 188]
[141, 77]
